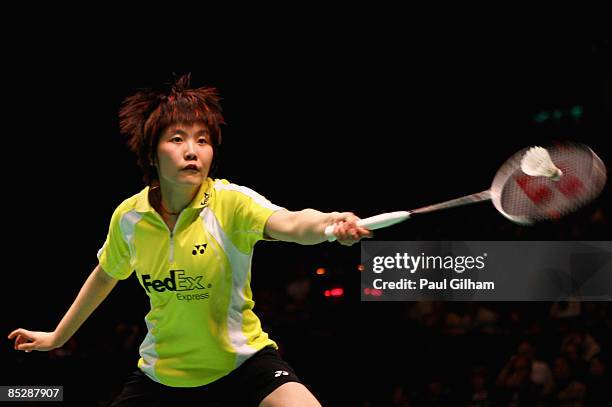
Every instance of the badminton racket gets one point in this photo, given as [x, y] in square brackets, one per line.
[577, 177]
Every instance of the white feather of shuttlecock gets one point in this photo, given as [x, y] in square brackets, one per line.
[537, 163]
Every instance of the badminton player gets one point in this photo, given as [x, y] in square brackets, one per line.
[190, 240]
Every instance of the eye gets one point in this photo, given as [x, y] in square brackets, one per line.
[202, 140]
[176, 139]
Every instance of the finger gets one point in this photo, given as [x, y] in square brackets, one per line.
[352, 221]
[346, 215]
[364, 231]
[349, 217]
[27, 346]
[26, 334]
[345, 228]
[20, 341]
[338, 228]
[342, 231]
[349, 238]
[15, 332]
[356, 233]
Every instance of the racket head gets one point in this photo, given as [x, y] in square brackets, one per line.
[526, 199]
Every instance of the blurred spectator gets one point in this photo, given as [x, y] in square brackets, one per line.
[597, 382]
[571, 391]
[594, 315]
[430, 314]
[541, 375]
[479, 394]
[70, 349]
[514, 384]
[436, 394]
[572, 395]
[401, 397]
[565, 309]
[298, 307]
[585, 345]
[459, 320]
[487, 320]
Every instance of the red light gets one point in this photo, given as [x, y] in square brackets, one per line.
[337, 292]
[334, 292]
[374, 292]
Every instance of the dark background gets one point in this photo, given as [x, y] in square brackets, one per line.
[336, 124]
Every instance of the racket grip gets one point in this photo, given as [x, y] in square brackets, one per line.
[373, 222]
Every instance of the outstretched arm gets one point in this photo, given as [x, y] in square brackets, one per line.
[308, 227]
[94, 291]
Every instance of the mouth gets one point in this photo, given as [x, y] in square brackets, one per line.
[191, 167]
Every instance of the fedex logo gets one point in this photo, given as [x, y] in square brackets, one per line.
[176, 282]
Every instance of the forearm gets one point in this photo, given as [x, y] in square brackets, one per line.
[96, 288]
[309, 226]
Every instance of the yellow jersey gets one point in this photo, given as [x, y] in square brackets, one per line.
[201, 325]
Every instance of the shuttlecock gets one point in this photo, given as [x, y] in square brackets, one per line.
[537, 163]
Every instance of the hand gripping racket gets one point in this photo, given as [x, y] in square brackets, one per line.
[522, 198]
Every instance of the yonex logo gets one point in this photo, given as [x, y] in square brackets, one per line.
[205, 200]
[199, 248]
[280, 373]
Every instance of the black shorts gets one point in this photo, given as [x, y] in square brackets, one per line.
[246, 386]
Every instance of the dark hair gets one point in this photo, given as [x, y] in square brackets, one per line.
[144, 116]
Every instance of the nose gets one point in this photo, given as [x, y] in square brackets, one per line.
[189, 151]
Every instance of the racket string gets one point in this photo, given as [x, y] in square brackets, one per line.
[537, 198]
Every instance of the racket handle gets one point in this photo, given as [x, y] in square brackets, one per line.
[373, 222]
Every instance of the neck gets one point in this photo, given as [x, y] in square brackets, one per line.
[173, 199]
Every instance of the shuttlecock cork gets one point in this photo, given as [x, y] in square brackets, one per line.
[537, 163]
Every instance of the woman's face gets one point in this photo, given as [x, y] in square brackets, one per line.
[184, 154]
